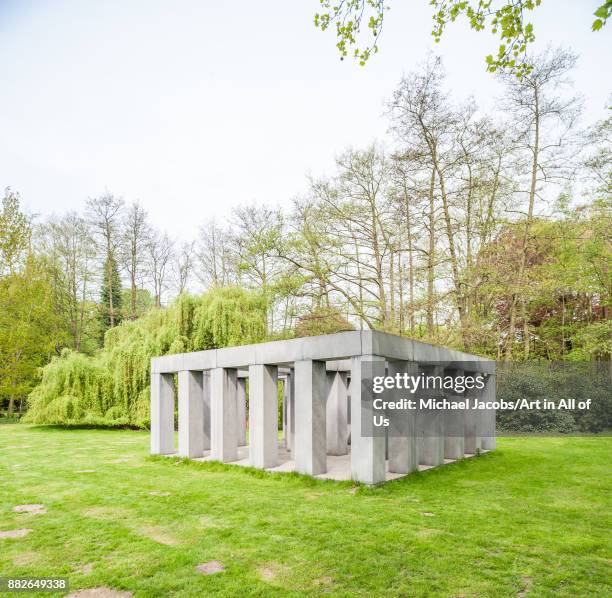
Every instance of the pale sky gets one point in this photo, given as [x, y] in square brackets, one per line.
[193, 107]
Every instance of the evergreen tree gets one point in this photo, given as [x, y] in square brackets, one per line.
[111, 296]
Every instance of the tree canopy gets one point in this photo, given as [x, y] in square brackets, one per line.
[359, 24]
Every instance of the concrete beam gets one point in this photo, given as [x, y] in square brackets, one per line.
[263, 416]
[310, 431]
[224, 442]
[190, 414]
[162, 414]
[336, 413]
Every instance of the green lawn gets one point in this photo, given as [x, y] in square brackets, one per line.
[531, 519]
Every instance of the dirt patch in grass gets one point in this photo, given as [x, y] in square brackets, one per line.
[157, 534]
[34, 509]
[23, 559]
[108, 513]
[15, 533]
[273, 572]
[427, 532]
[210, 568]
[99, 593]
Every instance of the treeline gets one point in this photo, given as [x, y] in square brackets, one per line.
[485, 232]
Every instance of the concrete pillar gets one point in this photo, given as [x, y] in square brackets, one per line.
[454, 423]
[430, 426]
[402, 443]
[336, 414]
[263, 416]
[487, 442]
[367, 451]
[241, 411]
[206, 410]
[472, 421]
[190, 414]
[310, 432]
[224, 443]
[162, 414]
[284, 415]
[290, 389]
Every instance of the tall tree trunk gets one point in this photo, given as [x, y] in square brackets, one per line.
[431, 258]
[527, 231]
[459, 296]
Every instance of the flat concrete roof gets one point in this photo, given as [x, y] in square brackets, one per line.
[328, 347]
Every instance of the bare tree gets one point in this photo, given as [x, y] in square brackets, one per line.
[104, 214]
[159, 254]
[68, 243]
[544, 119]
[183, 265]
[135, 233]
[214, 265]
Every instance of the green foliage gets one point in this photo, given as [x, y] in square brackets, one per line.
[555, 381]
[113, 386]
[506, 19]
[603, 14]
[31, 328]
[322, 320]
[15, 233]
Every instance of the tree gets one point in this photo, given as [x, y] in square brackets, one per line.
[68, 244]
[15, 232]
[111, 296]
[183, 266]
[105, 213]
[160, 250]
[31, 329]
[544, 118]
[506, 18]
[135, 232]
[215, 266]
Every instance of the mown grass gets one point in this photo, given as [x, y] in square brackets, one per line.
[531, 519]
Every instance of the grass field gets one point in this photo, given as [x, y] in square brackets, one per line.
[531, 519]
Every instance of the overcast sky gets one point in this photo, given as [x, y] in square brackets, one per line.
[195, 106]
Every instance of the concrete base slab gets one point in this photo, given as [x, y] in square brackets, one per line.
[338, 466]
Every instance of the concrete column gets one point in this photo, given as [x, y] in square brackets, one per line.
[206, 410]
[290, 388]
[310, 432]
[224, 443]
[162, 414]
[336, 415]
[284, 417]
[430, 426]
[241, 411]
[487, 442]
[367, 452]
[402, 443]
[472, 421]
[454, 423]
[263, 416]
[190, 414]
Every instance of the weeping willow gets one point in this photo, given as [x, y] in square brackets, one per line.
[112, 387]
